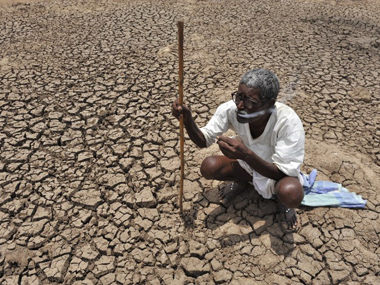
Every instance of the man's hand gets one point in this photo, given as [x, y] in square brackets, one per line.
[232, 148]
[193, 131]
[179, 111]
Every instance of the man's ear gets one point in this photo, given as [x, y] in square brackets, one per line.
[271, 102]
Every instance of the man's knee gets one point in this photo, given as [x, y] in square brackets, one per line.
[209, 167]
[290, 191]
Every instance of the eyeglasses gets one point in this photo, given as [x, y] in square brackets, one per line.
[248, 102]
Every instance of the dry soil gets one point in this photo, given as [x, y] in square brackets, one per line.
[89, 150]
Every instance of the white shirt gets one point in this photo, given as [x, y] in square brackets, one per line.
[281, 143]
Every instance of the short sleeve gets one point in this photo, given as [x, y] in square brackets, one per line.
[289, 153]
[218, 124]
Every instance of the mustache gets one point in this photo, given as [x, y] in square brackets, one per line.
[245, 115]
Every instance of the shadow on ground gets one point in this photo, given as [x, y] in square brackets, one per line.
[246, 217]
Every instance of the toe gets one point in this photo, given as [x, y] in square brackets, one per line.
[221, 193]
[294, 221]
[294, 224]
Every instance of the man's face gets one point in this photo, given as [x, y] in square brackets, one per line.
[248, 102]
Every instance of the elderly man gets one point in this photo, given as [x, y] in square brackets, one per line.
[267, 151]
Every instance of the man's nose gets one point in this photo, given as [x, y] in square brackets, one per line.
[241, 106]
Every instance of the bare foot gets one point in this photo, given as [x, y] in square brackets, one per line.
[287, 219]
[232, 190]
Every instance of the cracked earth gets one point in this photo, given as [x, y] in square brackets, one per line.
[89, 152]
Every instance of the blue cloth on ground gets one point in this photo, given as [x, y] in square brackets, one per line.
[326, 193]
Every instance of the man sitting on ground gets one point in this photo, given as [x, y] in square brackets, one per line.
[268, 150]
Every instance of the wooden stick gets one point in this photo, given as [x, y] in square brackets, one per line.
[181, 129]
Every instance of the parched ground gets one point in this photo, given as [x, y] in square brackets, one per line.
[89, 152]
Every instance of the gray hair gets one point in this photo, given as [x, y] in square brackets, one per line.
[264, 80]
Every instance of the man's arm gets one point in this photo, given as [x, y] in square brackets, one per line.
[235, 149]
[263, 167]
[192, 129]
